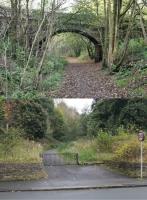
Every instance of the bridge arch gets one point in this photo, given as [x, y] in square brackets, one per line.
[97, 45]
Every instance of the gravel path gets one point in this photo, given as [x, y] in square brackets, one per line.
[87, 80]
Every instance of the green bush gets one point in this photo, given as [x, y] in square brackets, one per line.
[29, 95]
[109, 115]
[48, 67]
[58, 126]
[104, 141]
[51, 82]
[136, 45]
[29, 116]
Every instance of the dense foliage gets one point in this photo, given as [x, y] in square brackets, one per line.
[28, 116]
[39, 118]
[106, 133]
[113, 113]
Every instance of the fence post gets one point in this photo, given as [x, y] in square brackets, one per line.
[77, 158]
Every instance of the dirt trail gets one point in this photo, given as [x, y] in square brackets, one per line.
[87, 80]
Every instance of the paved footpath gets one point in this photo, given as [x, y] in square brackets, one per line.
[65, 177]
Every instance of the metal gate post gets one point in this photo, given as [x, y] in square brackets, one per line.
[77, 158]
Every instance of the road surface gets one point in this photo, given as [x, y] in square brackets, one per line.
[71, 176]
[126, 194]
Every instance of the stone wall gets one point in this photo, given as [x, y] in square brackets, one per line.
[21, 171]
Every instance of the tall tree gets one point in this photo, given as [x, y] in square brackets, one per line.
[114, 15]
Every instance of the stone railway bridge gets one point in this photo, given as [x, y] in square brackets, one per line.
[65, 22]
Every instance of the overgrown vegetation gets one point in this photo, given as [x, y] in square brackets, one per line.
[108, 133]
[133, 73]
[121, 152]
[15, 149]
[30, 126]
[28, 63]
[73, 45]
[11, 73]
[98, 149]
[110, 115]
[27, 66]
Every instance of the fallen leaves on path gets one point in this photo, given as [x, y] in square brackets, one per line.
[87, 80]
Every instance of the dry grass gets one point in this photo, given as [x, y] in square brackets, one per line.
[24, 152]
[25, 177]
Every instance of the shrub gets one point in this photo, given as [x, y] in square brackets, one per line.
[136, 46]
[110, 114]
[129, 152]
[58, 126]
[48, 67]
[104, 141]
[30, 117]
[51, 82]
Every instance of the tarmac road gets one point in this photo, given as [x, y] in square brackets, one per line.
[115, 194]
[73, 176]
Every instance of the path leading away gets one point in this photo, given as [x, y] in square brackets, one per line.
[87, 80]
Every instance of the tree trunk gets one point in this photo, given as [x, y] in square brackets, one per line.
[142, 26]
[14, 23]
[112, 10]
[126, 39]
[27, 25]
[49, 34]
[98, 53]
